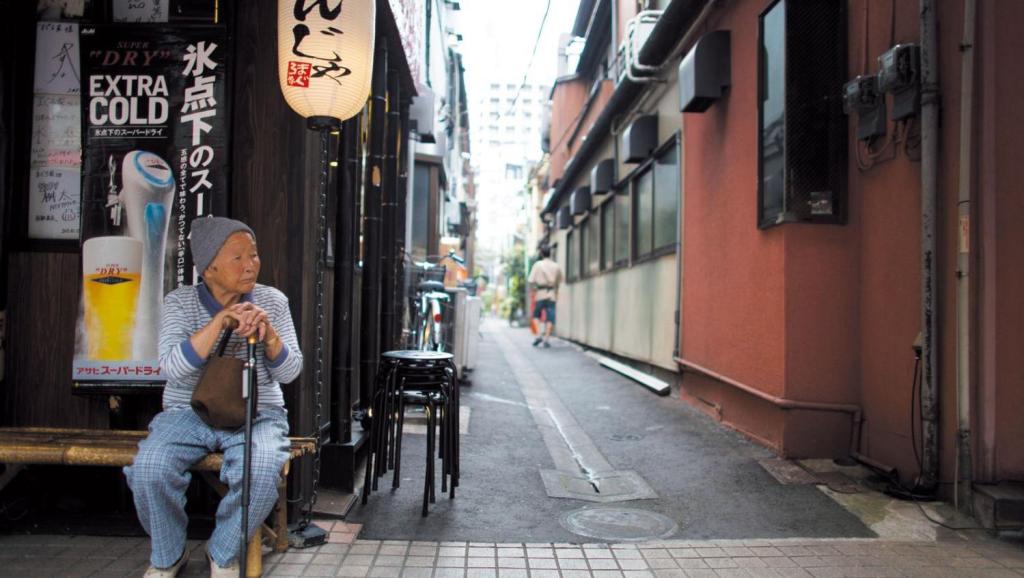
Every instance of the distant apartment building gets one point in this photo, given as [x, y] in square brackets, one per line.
[506, 131]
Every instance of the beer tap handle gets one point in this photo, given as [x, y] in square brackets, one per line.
[113, 198]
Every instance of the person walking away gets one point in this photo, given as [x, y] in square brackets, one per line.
[545, 277]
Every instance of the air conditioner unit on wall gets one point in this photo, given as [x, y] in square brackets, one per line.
[640, 138]
[580, 201]
[564, 218]
[704, 73]
[602, 177]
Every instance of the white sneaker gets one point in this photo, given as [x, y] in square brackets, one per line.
[154, 572]
[216, 571]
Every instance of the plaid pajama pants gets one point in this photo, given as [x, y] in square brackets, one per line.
[160, 475]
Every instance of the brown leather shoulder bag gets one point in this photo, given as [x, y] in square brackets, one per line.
[217, 398]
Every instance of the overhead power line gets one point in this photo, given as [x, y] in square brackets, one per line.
[529, 65]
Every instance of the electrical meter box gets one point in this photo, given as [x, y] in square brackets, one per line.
[899, 73]
[861, 96]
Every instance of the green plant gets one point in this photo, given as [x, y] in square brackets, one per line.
[514, 263]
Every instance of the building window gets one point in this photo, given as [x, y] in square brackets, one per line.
[801, 127]
[643, 195]
[622, 235]
[656, 202]
[607, 236]
[420, 246]
[571, 266]
[666, 197]
[584, 241]
[594, 245]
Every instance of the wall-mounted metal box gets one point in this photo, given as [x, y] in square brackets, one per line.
[705, 72]
[564, 218]
[640, 139]
[899, 72]
[602, 177]
[580, 201]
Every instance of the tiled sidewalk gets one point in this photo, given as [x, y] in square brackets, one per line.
[80, 556]
[669, 559]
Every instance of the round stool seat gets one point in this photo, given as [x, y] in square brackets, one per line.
[417, 355]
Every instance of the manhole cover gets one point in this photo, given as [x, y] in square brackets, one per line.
[619, 524]
[626, 437]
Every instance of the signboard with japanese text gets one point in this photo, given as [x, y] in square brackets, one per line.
[140, 10]
[325, 56]
[155, 120]
[54, 194]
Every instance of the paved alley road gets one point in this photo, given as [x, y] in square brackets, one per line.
[550, 414]
[555, 416]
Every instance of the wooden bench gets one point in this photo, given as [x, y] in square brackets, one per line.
[20, 447]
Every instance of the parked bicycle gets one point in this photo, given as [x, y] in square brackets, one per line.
[427, 306]
[430, 326]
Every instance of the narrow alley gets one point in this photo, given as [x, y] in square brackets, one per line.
[540, 420]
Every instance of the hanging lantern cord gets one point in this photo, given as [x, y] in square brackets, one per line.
[318, 368]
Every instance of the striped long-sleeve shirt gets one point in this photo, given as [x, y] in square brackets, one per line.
[188, 309]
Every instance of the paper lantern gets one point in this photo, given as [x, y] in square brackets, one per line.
[325, 56]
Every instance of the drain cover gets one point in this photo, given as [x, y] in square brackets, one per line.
[619, 524]
[618, 486]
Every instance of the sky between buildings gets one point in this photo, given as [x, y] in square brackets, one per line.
[498, 38]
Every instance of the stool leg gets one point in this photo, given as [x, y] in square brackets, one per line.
[367, 481]
[254, 555]
[432, 442]
[456, 440]
[281, 514]
[426, 476]
[396, 480]
[444, 452]
[381, 431]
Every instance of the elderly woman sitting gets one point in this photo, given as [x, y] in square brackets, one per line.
[224, 250]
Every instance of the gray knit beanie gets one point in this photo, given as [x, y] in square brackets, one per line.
[208, 236]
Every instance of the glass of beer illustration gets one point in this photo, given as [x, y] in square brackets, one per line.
[110, 287]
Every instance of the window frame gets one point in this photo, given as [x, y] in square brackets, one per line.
[570, 274]
[607, 211]
[624, 262]
[593, 265]
[630, 180]
[837, 143]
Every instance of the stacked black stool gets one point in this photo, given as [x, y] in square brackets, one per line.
[412, 377]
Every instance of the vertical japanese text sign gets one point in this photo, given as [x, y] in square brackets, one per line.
[155, 117]
[325, 55]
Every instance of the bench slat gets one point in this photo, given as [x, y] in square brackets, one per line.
[96, 447]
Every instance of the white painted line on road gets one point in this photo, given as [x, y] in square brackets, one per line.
[575, 455]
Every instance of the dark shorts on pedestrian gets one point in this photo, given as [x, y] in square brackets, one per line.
[547, 307]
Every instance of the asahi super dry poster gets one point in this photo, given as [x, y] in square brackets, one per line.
[154, 116]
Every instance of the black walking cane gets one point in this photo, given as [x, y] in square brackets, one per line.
[248, 387]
